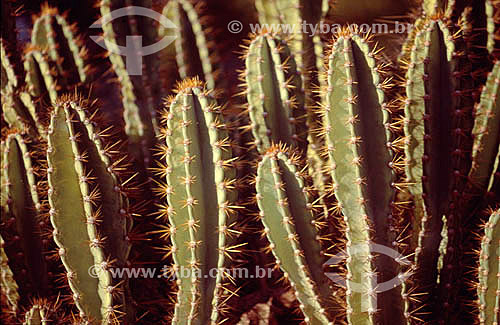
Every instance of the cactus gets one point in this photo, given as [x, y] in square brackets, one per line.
[199, 176]
[491, 10]
[287, 214]
[432, 7]
[486, 132]
[357, 129]
[54, 36]
[9, 285]
[306, 47]
[351, 154]
[307, 51]
[194, 48]
[21, 218]
[85, 197]
[488, 288]
[139, 113]
[44, 312]
[274, 92]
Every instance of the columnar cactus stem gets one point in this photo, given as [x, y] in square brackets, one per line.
[198, 182]
[54, 36]
[488, 289]
[274, 93]
[438, 114]
[290, 226]
[139, 118]
[305, 46]
[357, 128]
[432, 7]
[9, 286]
[87, 211]
[9, 76]
[492, 7]
[40, 75]
[195, 53]
[486, 131]
[21, 217]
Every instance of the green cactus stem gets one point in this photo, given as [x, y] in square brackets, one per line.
[194, 47]
[139, 116]
[492, 7]
[53, 35]
[9, 286]
[273, 87]
[40, 75]
[199, 202]
[433, 7]
[86, 198]
[356, 124]
[286, 211]
[486, 131]
[489, 282]
[9, 80]
[438, 111]
[21, 219]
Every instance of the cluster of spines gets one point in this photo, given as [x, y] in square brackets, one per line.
[488, 288]
[290, 224]
[43, 311]
[199, 180]
[88, 211]
[363, 162]
[275, 94]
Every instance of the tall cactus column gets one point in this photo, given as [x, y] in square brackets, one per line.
[356, 124]
[287, 212]
[199, 176]
[489, 281]
[273, 87]
[88, 213]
